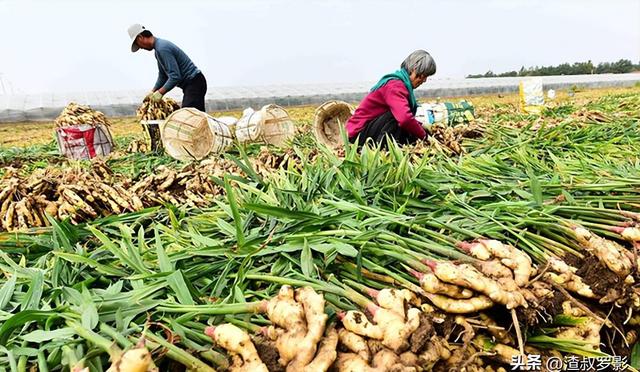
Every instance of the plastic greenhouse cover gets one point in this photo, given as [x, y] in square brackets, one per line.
[35, 107]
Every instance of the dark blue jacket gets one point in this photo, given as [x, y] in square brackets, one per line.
[174, 66]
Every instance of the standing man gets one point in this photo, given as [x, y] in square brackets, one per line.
[174, 68]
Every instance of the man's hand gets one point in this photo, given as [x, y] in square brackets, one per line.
[156, 96]
[148, 96]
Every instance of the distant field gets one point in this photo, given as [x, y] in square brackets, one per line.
[32, 133]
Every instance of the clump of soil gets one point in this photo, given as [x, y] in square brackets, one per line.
[422, 334]
[446, 327]
[543, 312]
[603, 282]
[268, 354]
[572, 260]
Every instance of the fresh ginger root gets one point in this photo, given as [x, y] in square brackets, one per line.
[237, 342]
[495, 269]
[390, 327]
[608, 252]
[503, 352]
[431, 284]
[499, 333]
[435, 350]
[395, 300]
[301, 321]
[393, 323]
[358, 323]
[350, 362]
[326, 354]
[396, 330]
[563, 274]
[384, 361]
[468, 276]
[387, 360]
[509, 256]
[587, 331]
[476, 249]
[137, 359]
[355, 343]
[461, 306]
[513, 258]
[292, 327]
[574, 284]
[409, 359]
[631, 234]
[468, 332]
[284, 311]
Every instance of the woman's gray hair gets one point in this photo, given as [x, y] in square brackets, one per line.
[421, 62]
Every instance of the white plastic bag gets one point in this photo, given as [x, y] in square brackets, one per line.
[429, 113]
[231, 122]
[531, 95]
[551, 94]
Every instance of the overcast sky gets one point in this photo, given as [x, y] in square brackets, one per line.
[66, 46]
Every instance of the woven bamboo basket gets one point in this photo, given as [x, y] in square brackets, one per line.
[271, 125]
[222, 134]
[186, 134]
[327, 121]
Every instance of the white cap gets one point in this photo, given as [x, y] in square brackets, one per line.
[134, 31]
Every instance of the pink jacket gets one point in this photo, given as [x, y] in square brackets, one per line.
[394, 97]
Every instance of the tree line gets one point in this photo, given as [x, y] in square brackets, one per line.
[577, 68]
